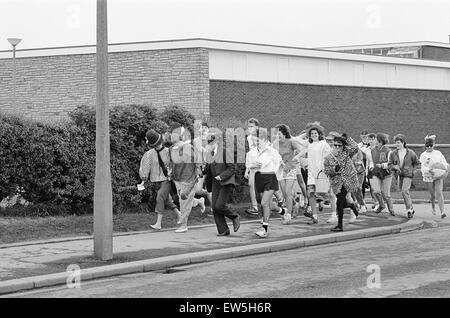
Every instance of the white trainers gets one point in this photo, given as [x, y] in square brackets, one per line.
[155, 227]
[363, 209]
[201, 203]
[181, 229]
[352, 218]
[286, 219]
[332, 219]
[376, 207]
[262, 233]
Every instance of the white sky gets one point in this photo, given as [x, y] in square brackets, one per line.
[302, 23]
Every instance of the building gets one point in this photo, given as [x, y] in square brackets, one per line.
[223, 80]
[233, 80]
[426, 50]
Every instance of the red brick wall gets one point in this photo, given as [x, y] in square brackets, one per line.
[414, 113]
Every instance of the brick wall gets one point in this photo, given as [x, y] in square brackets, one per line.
[49, 87]
[414, 113]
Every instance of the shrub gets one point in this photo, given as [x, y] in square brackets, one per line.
[175, 116]
[53, 165]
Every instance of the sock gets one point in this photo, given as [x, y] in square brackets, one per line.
[265, 226]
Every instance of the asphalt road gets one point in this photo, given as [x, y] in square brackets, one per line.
[413, 264]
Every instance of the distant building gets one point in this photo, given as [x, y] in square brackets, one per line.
[426, 50]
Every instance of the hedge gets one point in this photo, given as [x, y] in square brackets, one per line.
[53, 165]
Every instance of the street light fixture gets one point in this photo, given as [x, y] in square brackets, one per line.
[14, 42]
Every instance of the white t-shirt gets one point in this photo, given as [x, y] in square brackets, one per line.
[269, 158]
[427, 159]
[317, 151]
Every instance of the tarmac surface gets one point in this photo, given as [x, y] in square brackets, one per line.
[37, 264]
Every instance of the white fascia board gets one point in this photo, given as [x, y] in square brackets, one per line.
[324, 54]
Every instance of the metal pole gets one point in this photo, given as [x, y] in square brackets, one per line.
[103, 221]
[14, 78]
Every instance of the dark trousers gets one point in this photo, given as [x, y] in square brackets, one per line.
[341, 204]
[220, 197]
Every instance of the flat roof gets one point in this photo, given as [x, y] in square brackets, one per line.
[225, 45]
[385, 45]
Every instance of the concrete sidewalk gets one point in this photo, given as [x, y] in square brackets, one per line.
[32, 265]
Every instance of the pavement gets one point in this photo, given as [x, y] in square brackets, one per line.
[30, 265]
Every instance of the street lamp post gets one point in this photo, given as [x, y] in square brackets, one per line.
[103, 222]
[14, 42]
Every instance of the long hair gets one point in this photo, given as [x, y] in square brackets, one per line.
[285, 130]
[321, 137]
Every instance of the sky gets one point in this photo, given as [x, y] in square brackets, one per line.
[299, 23]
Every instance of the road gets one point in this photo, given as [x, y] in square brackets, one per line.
[414, 264]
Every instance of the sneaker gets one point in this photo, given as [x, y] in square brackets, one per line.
[379, 209]
[363, 209]
[155, 227]
[410, 213]
[375, 207]
[252, 211]
[443, 215]
[332, 219]
[313, 221]
[308, 215]
[201, 203]
[282, 212]
[286, 219]
[320, 206]
[181, 229]
[352, 218]
[392, 213]
[262, 233]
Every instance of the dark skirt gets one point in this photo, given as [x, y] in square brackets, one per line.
[265, 182]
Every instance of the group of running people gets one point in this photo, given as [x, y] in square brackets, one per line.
[287, 174]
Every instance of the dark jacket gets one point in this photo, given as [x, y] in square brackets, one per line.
[220, 166]
[410, 163]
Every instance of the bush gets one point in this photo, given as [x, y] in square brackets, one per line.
[176, 116]
[53, 165]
